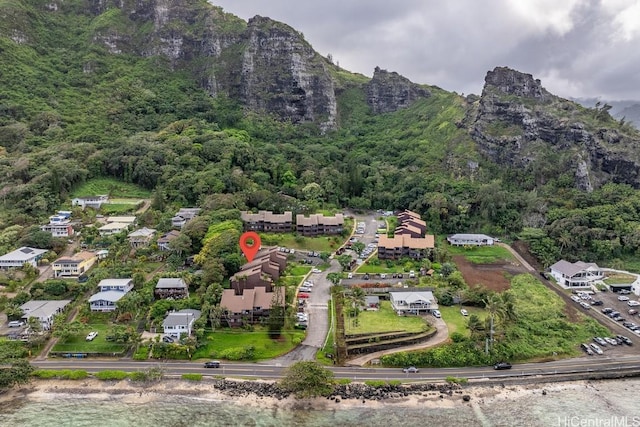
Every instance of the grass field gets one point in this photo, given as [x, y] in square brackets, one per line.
[79, 344]
[299, 270]
[289, 240]
[382, 268]
[265, 347]
[112, 187]
[456, 322]
[481, 254]
[383, 320]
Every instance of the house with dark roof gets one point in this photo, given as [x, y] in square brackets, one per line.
[183, 216]
[405, 246]
[408, 230]
[576, 275]
[164, 241]
[263, 271]
[170, 287]
[180, 322]
[267, 221]
[250, 306]
[22, 256]
[319, 225]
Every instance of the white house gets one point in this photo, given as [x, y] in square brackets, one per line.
[110, 292]
[141, 238]
[577, 275]
[413, 302]
[90, 201]
[180, 322]
[20, 257]
[44, 311]
[113, 228]
[183, 216]
[470, 240]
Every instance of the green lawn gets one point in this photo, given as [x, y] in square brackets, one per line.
[289, 240]
[384, 320]
[265, 347]
[117, 208]
[291, 280]
[110, 186]
[79, 344]
[619, 279]
[455, 321]
[481, 254]
[299, 270]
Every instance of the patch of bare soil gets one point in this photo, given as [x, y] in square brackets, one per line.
[495, 276]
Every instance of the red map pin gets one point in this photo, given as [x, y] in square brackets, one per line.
[250, 244]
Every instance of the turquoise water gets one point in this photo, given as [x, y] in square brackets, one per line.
[605, 403]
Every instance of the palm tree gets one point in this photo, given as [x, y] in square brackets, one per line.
[476, 327]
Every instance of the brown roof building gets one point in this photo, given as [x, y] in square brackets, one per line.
[408, 230]
[405, 246]
[267, 221]
[407, 214]
[250, 306]
[318, 224]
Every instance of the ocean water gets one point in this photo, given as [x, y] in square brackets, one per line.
[597, 404]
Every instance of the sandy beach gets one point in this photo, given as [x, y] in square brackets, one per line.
[140, 393]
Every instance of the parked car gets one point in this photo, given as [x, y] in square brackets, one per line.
[303, 295]
[410, 370]
[600, 341]
[316, 270]
[623, 298]
[611, 341]
[436, 313]
[464, 312]
[596, 348]
[633, 311]
[350, 276]
[587, 349]
[624, 292]
[597, 302]
[91, 336]
[607, 310]
[502, 365]
[624, 339]
[212, 364]
[632, 303]
[16, 323]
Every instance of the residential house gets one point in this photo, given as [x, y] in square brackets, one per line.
[58, 229]
[413, 302]
[183, 216]
[250, 306]
[110, 292]
[44, 311]
[274, 255]
[128, 219]
[141, 238]
[318, 224]
[94, 202]
[470, 240]
[267, 221]
[405, 246]
[175, 288]
[165, 240]
[73, 266]
[576, 275]
[22, 256]
[180, 322]
[113, 228]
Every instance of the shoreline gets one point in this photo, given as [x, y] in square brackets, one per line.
[238, 392]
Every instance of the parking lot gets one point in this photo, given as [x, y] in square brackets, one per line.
[608, 302]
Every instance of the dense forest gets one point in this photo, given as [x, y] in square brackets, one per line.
[70, 111]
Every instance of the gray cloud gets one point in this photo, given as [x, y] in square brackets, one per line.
[578, 48]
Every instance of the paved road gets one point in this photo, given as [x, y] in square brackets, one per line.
[561, 367]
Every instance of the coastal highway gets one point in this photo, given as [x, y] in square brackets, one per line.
[269, 372]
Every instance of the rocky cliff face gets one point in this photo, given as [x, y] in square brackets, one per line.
[266, 65]
[519, 124]
[388, 92]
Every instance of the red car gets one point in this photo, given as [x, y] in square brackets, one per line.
[303, 295]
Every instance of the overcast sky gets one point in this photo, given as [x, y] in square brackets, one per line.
[578, 48]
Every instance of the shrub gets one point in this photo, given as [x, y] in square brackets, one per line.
[111, 375]
[343, 381]
[142, 353]
[455, 380]
[376, 383]
[192, 377]
[65, 374]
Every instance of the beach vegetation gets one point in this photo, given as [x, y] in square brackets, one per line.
[307, 379]
[111, 375]
[192, 377]
[63, 374]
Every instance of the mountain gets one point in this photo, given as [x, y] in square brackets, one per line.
[628, 111]
[201, 107]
